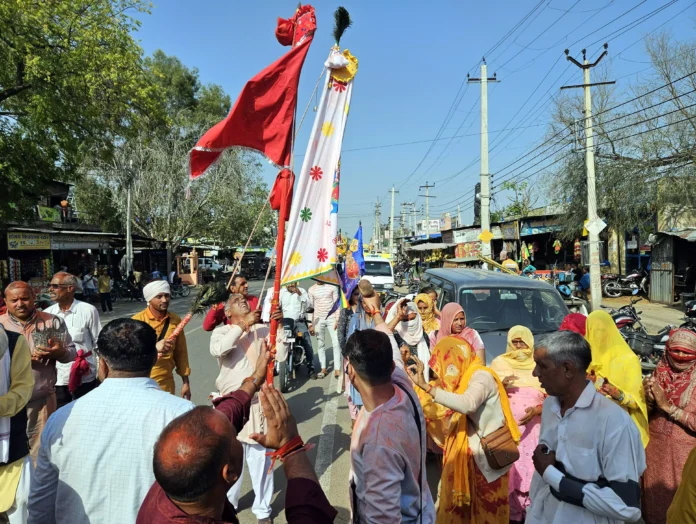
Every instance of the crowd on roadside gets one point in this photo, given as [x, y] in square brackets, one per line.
[561, 428]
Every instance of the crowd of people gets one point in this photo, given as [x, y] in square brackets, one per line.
[560, 428]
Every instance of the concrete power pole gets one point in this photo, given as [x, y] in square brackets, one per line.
[595, 225]
[378, 228]
[459, 215]
[391, 223]
[427, 208]
[485, 175]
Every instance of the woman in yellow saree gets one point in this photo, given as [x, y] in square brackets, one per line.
[464, 400]
[615, 369]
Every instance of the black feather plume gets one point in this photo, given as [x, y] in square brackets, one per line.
[342, 22]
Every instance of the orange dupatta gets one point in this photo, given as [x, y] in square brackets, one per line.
[454, 362]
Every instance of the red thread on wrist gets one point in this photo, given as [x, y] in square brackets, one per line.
[282, 452]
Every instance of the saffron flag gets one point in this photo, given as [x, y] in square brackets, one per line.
[262, 116]
[310, 246]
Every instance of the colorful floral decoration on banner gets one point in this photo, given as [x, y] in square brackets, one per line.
[312, 228]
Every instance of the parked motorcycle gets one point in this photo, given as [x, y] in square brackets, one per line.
[626, 318]
[291, 354]
[690, 316]
[616, 285]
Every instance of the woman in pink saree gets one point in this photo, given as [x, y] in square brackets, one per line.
[526, 396]
[453, 324]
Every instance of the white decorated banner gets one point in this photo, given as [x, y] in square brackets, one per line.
[310, 245]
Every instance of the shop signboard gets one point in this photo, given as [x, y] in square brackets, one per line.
[467, 250]
[48, 214]
[538, 226]
[472, 235]
[20, 241]
[509, 231]
[445, 222]
[67, 242]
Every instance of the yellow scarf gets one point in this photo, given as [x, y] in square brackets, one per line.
[613, 360]
[518, 362]
[454, 362]
[430, 323]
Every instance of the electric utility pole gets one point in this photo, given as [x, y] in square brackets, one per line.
[409, 214]
[377, 228]
[595, 225]
[391, 224]
[459, 215]
[485, 175]
[427, 196]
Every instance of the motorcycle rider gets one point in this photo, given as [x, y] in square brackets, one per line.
[294, 302]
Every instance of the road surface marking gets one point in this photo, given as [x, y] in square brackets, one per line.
[324, 460]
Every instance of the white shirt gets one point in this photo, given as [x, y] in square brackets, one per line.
[266, 311]
[95, 459]
[323, 297]
[82, 321]
[293, 305]
[594, 439]
[89, 281]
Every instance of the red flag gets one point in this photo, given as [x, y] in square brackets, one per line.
[262, 116]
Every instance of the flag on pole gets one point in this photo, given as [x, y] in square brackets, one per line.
[262, 117]
[354, 267]
[310, 245]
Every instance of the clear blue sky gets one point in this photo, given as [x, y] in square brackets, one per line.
[414, 57]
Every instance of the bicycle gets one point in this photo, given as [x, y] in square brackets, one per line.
[179, 290]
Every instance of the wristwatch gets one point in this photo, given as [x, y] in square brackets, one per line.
[257, 385]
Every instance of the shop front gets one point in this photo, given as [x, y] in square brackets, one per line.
[78, 252]
[27, 256]
[541, 245]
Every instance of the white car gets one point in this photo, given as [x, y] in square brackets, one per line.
[380, 272]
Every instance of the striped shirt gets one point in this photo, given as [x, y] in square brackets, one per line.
[322, 298]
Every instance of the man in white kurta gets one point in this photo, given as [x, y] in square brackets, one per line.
[590, 457]
[236, 346]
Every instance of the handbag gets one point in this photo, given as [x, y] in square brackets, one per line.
[499, 447]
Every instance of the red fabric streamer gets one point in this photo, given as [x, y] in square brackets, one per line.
[262, 117]
[288, 178]
[78, 370]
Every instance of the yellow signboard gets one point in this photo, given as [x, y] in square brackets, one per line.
[24, 241]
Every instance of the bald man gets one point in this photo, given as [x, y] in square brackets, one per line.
[198, 457]
[23, 318]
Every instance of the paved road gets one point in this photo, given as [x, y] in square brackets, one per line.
[321, 413]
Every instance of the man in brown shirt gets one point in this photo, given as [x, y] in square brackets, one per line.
[49, 341]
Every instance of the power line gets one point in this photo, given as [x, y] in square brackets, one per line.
[515, 174]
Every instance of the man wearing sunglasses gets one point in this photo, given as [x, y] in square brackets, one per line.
[49, 343]
[83, 324]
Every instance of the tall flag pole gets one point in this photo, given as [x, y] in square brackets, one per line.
[263, 119]
[313, 225]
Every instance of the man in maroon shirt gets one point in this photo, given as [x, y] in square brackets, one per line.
[197, 459]
[216, 315]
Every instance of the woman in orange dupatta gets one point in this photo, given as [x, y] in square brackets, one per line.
[465, 399]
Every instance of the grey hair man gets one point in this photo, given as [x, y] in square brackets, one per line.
[83, 324]
[237, 345]
[590, 457]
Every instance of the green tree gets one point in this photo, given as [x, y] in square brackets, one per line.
[222, 206]
[522, 200]
[71, 77]
[644, 150]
